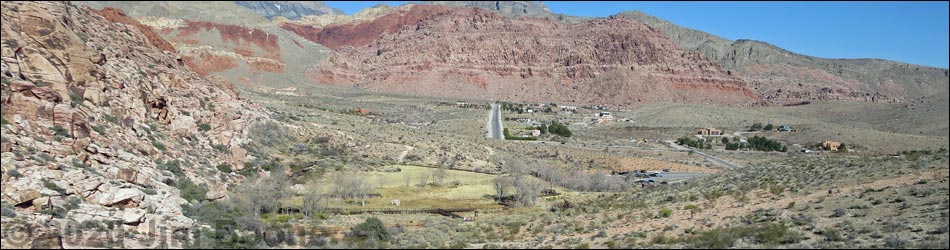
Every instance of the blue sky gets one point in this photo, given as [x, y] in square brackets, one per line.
[912, 32]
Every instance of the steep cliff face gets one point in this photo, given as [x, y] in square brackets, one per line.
[101, 121]
[782, 76]
[292, 10]
[456, 52]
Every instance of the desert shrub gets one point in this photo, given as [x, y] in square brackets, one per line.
[665, 213]
[663, 239]
[52, 186]
[839, 213]
[894, 242]
[7, 211]
[74, 100]
[372, 229]
[99, 129]
[191, 191]
[767, 234]
[271, 135]
[60, 131]
[159, 145]
[3, 121]
[173, 166]
[220, 147]
[224, 167]
[204, 127]
[832, 235]
[14, 173]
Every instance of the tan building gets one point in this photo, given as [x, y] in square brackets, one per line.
[708, 131]
[832, 146]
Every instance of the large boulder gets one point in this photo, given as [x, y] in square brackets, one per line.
[133, 216]
[127, 197]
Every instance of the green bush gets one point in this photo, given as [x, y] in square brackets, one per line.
[665, 213]
[159, 145]
[110, 118]
[52, 186]
[99, 129]
[204, 127]
[191, 191]
[60, 131]
[74, 100]
[224, 167]
[372, 229]
[559, 129]
[3, 121]
[173, 166]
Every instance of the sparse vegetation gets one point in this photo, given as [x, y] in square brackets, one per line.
[203, 127]
[60, 131]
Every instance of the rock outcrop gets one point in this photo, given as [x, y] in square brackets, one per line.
[226, 41]
[100, 123]
[456, 51]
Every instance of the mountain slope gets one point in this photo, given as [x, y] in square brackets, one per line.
[292, 10]
[455, 51]
[514, 9]
[785, 76]
[101, 125]
[228, 42]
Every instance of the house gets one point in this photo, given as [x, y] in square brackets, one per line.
[361, 111]
[708, 131]
[535, 132]
[568, 108]
[831, 145]
[785, 128]
[602, 117]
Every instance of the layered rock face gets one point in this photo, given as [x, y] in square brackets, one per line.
[100, 121]
[456, 52]
[783, 76]
[226, 41]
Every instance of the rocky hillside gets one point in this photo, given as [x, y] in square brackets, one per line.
[515, 9]
[289, 9]
[784, 76]
[233, 43]
[456, 51]
[104, 123]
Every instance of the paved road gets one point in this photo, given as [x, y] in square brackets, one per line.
[494, 126]
[672, 176]
[710, 158]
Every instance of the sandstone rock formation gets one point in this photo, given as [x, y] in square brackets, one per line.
[226, 42]
[89, 106]
[455, 51]
[783, 76]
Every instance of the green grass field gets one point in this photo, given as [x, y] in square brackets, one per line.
[474, 190]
